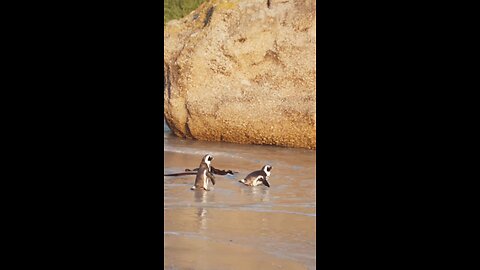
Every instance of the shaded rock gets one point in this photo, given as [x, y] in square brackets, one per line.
[243, 72]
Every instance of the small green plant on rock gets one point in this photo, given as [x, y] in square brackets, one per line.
[176, 9]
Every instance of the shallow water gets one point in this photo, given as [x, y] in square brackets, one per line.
[234, 226]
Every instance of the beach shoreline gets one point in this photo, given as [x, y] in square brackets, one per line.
[235, 226]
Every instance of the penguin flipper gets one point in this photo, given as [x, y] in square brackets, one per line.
[212, 178]
[265, 182]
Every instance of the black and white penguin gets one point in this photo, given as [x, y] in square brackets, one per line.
[258, 177]
[204, 174]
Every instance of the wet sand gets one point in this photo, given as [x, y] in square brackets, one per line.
[234, 226]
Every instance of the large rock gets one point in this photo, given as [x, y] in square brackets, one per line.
[244, 72]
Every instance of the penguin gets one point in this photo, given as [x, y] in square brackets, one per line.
[258, 177]
[204, 174]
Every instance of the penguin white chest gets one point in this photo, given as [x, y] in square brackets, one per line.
[205, 179]
[257, 181]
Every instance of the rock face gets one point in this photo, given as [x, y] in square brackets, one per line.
[243, 72]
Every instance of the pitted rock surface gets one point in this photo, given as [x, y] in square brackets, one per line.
[243, 72]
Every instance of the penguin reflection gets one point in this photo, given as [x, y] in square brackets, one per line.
[201, 197]
[258, 193]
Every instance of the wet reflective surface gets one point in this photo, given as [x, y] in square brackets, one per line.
[234, 226]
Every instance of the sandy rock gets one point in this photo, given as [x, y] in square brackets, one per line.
[243, 72]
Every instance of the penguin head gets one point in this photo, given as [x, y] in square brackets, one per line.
[207, 158]
[267, 168]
